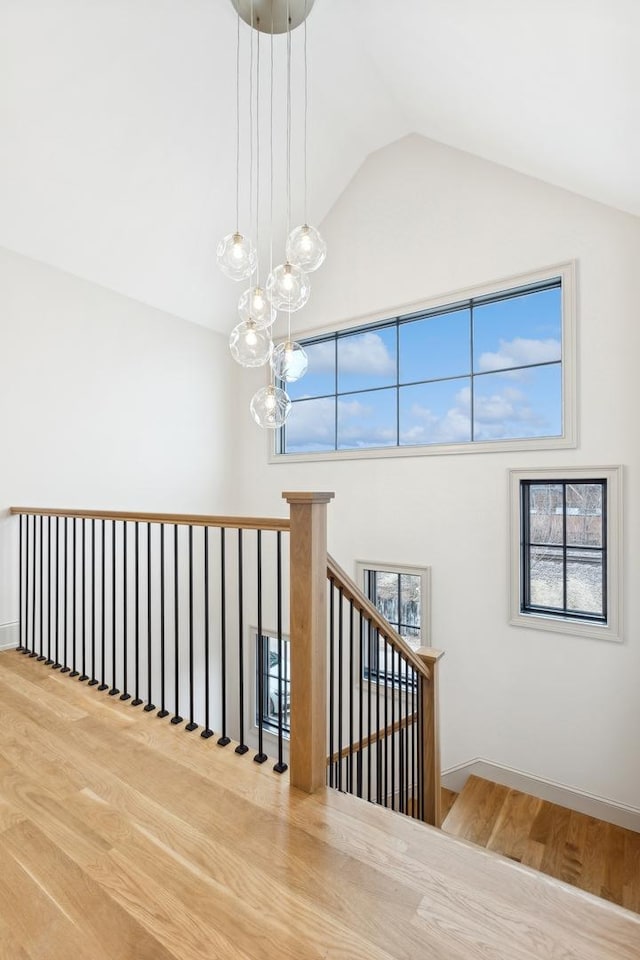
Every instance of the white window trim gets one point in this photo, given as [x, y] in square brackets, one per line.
[567, 272]
[612, 630]
[423, 572]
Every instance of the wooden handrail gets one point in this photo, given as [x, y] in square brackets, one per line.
[186, 519]
[353, 593]
[400, 724]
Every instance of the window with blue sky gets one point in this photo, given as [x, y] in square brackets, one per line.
[489, 368]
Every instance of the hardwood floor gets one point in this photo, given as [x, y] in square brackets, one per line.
[596, 856]
[123, 838]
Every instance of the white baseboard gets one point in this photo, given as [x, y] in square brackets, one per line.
[610, 810]
[9, 634]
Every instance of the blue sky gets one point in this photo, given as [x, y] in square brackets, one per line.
[520, 337]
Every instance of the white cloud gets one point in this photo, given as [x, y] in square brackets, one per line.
[366, 353]
[520, 352]
[311, 425]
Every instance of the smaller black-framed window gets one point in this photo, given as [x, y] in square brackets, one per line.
[563, 542]
[402, 596]
[276, 684]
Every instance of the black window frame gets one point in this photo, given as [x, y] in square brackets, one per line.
[271, 725]
[526, 543]
[556, 281]
[372, 670]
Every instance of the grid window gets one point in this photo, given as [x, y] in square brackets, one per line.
[483, 371]
[401, 594]
[564, 552]
[566, 567]
[276, 684]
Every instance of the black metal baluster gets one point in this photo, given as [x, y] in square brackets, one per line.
[176, 718]
[150, 705]
[49, 659]
[420, 748]
[74, 591]
[331, 679]
[125, 695]
[361, 705]
[56, 649]
[280, 766]
[41, 655]
[260, 756]
[25, 646]
[192, 725]
[378, 721]
[242, 747]
[103, 614]
[84, 675]
[136, 702]
[65, 592]
[401, 771]
[224, 739]
[93, 682]
[114, 688]
[20, 648]
[33, 609]
[369, 701]
[340, 683]
[351, 688]
[162, 712]
[414, 783]
[207, 732]
[386, 722]
[393, 728]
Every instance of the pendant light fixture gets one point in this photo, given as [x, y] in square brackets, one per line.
[287, 287]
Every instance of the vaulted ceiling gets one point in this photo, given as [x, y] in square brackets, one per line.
[117, 119]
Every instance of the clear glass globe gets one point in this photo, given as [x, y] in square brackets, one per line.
[270, 407]
[250, 346]
[236, 257]
[306, 248]
[289, 361]
[254, 305]
[288, 287]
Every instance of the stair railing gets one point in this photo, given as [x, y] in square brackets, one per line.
[163, 610]
[383, 707]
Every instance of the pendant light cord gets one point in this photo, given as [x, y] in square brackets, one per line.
[271, 153]
[306, 112]
[238, 124]
[258, 159]
[251, 224]
[289, 149]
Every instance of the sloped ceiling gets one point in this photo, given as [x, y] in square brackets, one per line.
[117, 119]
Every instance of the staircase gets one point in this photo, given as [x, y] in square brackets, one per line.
[598, 857]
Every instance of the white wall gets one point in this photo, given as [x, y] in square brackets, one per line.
[418, 220]
[105, 403]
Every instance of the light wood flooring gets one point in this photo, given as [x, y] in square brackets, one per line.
[581, 850]
[124, 838]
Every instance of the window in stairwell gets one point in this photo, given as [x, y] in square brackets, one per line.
[566, 560]
[402, 596]
[483, 370]
[275, 682]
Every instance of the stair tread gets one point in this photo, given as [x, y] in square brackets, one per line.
[476, 810]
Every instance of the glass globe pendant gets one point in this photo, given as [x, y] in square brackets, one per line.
[249, 345]
[236, 257]
[306, 248]
[254, 305]
[289, 361]
[288, 287]
[270, 407]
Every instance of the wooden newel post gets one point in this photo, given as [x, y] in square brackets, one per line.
[431, 738]
[308, 632]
